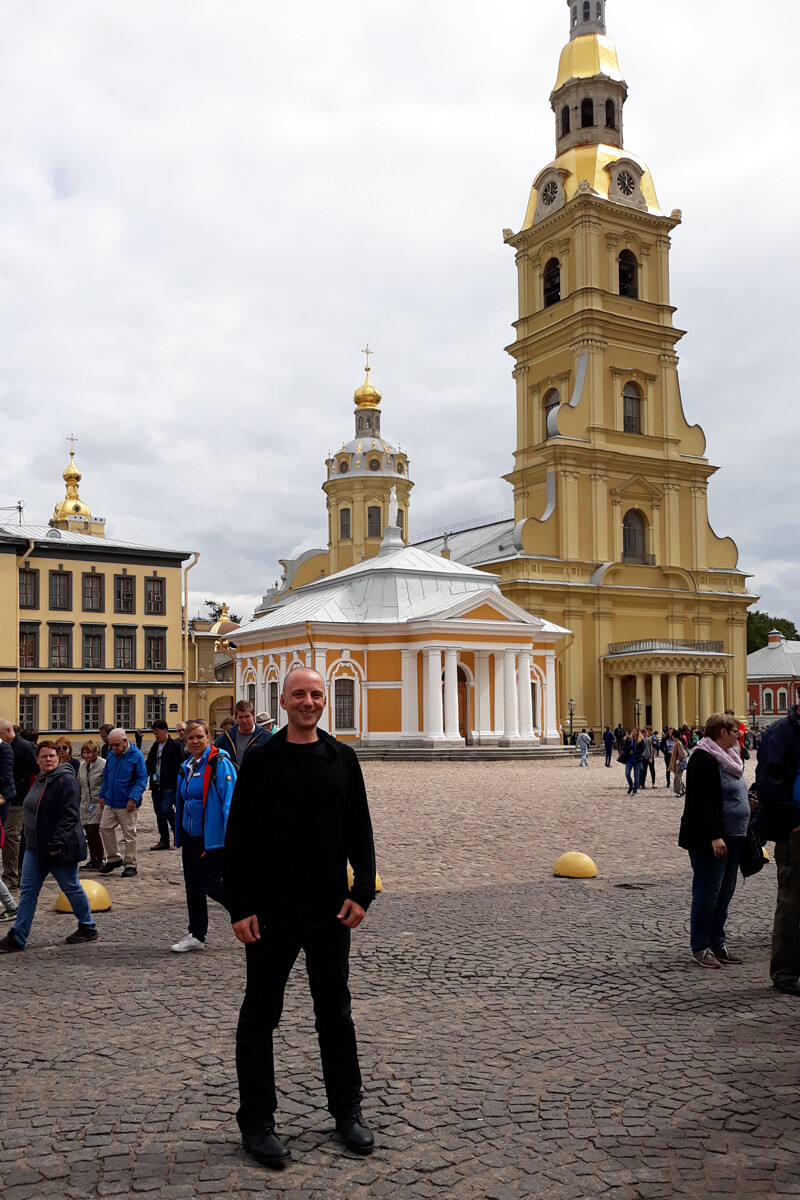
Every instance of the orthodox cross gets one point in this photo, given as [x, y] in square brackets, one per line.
[368, 352]
[72, 440]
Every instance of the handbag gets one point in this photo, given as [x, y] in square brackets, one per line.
[752, 856]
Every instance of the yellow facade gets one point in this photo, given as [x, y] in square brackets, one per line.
[612, 537]
[90, 629]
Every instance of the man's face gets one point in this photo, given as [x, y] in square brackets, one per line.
[180, 729]
[303, 698]
[161, 735]
[118, 745]
[7, 731]
[246, 722]
[104, 736]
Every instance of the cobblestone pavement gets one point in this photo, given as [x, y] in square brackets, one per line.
[521, 1035]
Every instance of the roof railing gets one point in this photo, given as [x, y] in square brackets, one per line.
[649, 644]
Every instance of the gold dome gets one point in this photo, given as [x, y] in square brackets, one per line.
[593, 164]
[224, 625]
[72, 507]
[367, 396]
[588, 56]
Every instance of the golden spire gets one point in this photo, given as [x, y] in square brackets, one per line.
[71, 507]
[367, 396]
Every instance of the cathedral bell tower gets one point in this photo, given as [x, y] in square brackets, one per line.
[361, 478]
[610, 480]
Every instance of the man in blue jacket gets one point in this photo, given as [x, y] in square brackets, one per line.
[124, 781]
[243, 737]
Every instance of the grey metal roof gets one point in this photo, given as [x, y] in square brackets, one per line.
[480, 544]
[399, 586]
[774, 662]
[55, 537]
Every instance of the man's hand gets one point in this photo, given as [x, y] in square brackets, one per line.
[102, 804]
[131, 806]
[352, 914]
[719, 848]
[247, 930]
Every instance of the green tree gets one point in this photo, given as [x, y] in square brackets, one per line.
[215, 611]
[760, 625]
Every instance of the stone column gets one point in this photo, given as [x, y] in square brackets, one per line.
[705, 697]
[616, 701]
[409, 695]
[433, 714]
[510, 700]
[672, 699]
[483, 715]
[641, 694]
[616, 518]
[656, 717]
[525, 698]
[550, 731]
[719, 693]
[451, 731]
[499, 722]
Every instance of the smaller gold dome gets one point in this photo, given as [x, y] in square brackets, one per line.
[224, 625]
[72, 507]
[588, 57]
[367, 396]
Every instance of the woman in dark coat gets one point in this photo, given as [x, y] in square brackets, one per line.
[54, 844]
[715, 818]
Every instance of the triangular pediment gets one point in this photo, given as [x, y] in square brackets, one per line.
[487, 606]
[636, 487]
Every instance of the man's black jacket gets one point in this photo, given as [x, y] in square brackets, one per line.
[778, 759]
[298, 814]
[7, 789]
[171, 759]
[26, 767]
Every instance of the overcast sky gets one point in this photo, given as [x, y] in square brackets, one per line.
[209, 208]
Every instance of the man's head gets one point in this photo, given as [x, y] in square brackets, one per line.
[303, 697]
[245, 714]
[104, 731]
[160, 731]
[118, 741]
[263, 718]
[180, 729]
[226, 724]
[6, 730]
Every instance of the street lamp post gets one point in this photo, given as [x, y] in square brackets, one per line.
[571, 707]
[638, 707]
[753, 713]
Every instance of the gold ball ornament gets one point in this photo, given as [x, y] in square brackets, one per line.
[99, 899]
[574, 865]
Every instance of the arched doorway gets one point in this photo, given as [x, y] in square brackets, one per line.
[463, 706]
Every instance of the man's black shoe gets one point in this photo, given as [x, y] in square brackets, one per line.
[10, 945]
[355, 1134]
[267, 1148]
[129, 873]
[84, 933]
[110, 866]
[789, 987]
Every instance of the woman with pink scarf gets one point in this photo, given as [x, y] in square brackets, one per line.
[715, 818]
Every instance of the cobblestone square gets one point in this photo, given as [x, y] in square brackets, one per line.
[520, 1035]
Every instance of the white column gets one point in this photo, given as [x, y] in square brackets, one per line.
[550, 730]
[498, 693]
[261, 687]
[280, 716]
[451, 731]
[433, 714]
[483, 715]
[655, 703]
[510, 699]
[525, 698]
[321, 665]
[409, 706]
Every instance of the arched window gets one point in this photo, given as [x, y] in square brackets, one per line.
[587, 10]
[587, 112]
[565, 120]
[400, 519]
[344, 523]
[373, 522]
[344, 704]
[599, 10]
[551, 403]
[633, 537]
[782, 700]
[574, 15]
[632, 408]
[552, 282]
[628, 275]
[767, 701]
[611, 115]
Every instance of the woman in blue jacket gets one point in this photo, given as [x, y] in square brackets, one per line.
[205, 785]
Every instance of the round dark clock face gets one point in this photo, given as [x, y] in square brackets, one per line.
[550, 192]
[626, 183]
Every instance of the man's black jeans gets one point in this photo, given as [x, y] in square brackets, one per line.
[202, 876]
[269, 962]
[164, 808]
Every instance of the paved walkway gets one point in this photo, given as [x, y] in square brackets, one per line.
[522, 1036]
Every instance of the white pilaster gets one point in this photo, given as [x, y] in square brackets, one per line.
[499, 722]
[321, 665]
[510, 697]
[550, 730]
[483, 713]
[409, 702]
[525, 698]
[280, 716]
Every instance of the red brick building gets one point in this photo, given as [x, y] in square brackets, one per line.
[773, 680]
